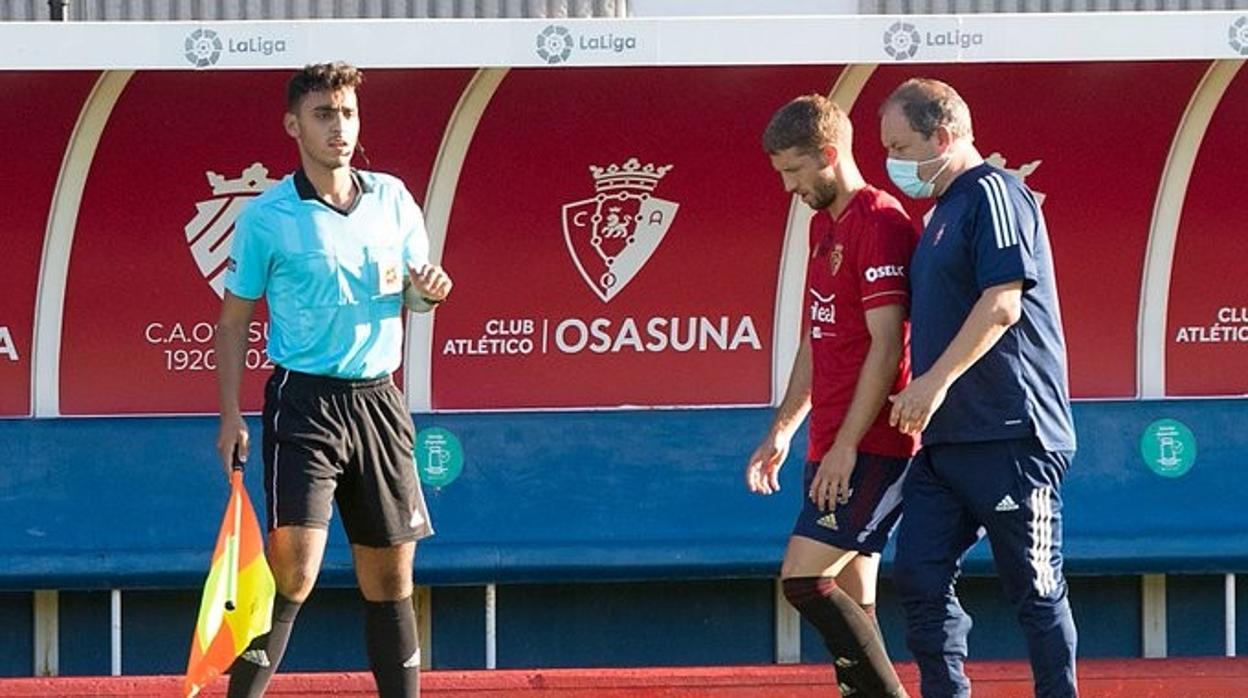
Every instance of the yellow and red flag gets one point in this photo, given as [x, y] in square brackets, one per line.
[237, 605]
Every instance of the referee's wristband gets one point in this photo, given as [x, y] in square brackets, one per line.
[416, 301]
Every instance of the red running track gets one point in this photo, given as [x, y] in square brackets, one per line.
[1131, 678]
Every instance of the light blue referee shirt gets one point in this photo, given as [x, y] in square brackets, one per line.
[333, 278]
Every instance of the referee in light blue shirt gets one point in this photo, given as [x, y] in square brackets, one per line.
[337, 253]
[989, 395]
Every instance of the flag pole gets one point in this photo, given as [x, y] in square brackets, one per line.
[231, 541]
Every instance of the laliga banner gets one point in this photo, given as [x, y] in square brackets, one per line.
[616, 235]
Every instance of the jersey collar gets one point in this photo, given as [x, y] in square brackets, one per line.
[307, 192]
[966, 179]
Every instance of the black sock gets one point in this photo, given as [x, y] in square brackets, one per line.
[393, 647]
[862, 665]
[251, 672]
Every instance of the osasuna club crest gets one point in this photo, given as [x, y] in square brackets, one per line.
[210, 232]
[836, 257]
[612, 235]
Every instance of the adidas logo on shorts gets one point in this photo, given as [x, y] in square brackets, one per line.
[1007, 503]
[827, 521]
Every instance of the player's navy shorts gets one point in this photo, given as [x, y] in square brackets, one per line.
[349, 441]
[865, 521]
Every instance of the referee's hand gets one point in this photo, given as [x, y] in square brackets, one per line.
[431, 282]
[232, 435]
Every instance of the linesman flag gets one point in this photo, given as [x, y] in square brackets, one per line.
[238, 595]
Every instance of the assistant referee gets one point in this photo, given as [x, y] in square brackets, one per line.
[337, 253]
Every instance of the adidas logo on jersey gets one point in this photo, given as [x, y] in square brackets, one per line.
[1007, 503]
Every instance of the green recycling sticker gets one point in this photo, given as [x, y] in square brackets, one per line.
[439, 457]
[1168, 448]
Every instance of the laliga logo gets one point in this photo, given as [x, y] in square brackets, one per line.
[1239, 36]
[612, 235]
[203, 48]
[210, 231]
[901, 41]
[554, 44]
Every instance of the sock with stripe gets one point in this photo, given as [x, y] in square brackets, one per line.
[393, 647]
[863, 669]
[251, 672]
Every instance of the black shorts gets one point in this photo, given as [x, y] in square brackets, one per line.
[343, 440]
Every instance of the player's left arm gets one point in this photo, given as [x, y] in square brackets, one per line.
[881, 264]
[876, 378]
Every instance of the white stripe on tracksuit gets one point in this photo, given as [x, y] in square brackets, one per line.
[1041, 532]
[1002, 212]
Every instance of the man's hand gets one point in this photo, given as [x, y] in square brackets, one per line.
[830, 486]
[431, 282]
[232, 435]
[762, 472]
[913, 407]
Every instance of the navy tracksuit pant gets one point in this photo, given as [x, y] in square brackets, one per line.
[954, 494]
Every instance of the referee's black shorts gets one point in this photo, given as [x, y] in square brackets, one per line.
[348, 441]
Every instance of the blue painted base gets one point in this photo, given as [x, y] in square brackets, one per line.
[706, 622]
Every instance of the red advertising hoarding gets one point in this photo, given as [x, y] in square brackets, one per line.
[1207, 322]
[616, 239]
[45, 108]
[181, 155]
[616, 234]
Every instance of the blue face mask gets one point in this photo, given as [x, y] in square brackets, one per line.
[905, 174]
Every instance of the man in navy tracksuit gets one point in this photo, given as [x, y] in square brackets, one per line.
[989, 395]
